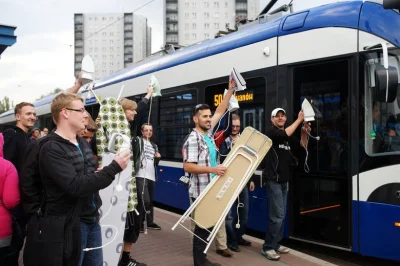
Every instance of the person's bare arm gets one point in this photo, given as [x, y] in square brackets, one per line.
[77, 86]
[292, 128]
[221, 109]
[194, 168]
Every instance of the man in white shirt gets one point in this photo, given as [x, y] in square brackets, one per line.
[146, 158]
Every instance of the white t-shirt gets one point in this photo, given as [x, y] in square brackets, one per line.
[147, 162]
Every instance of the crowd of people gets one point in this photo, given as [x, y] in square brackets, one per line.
[50, 182]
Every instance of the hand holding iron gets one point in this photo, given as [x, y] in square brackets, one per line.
[150, 90]
[232, 83]
[79, 79]
[301, 116]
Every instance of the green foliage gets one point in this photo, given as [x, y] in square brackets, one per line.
[5, 104]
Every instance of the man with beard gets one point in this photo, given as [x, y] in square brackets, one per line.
[200, 159]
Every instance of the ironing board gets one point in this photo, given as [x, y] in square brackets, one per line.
[214, 203]
[116, 203]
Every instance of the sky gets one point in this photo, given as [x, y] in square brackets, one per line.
[42, 59]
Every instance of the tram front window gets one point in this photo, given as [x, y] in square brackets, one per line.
[382, 120]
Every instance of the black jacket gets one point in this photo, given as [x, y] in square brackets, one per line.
[15, 142]
[278, 164]
[30, 182]
[136, 124]
[67, 175]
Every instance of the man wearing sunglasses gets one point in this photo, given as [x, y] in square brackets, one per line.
[200, 159]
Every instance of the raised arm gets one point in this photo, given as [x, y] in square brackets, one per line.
[292, 128]
[77, 85]
[143, 104]
[224, 104]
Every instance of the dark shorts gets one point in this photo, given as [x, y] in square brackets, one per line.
[132, 227]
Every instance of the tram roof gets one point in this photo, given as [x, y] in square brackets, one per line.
[339, 14]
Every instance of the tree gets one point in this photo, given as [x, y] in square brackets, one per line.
[5, 104]
[56, 90]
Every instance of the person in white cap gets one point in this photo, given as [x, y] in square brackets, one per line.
[278, 169]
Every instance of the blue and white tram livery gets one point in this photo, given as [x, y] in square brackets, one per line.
[332, 55]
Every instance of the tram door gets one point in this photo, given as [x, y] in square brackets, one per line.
[319, 209]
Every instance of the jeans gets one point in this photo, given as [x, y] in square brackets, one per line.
[90, 238]
[145, 186]
[277, 199]
[235, 234]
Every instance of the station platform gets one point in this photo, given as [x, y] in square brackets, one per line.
[166, 248]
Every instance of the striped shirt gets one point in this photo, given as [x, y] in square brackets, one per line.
[195, 150]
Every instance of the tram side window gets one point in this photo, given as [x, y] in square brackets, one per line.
[175, 122]
[382, 120]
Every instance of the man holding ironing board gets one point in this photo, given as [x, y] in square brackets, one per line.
[200, 159]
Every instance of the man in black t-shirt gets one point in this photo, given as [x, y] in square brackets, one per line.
[277, 173]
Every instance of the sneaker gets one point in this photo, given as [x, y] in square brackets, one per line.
[209, 263]
[153, 226]
[244, 242]
[234, 248]
[224, 253]
[282, 250]
[270, 254]
[131, 262]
